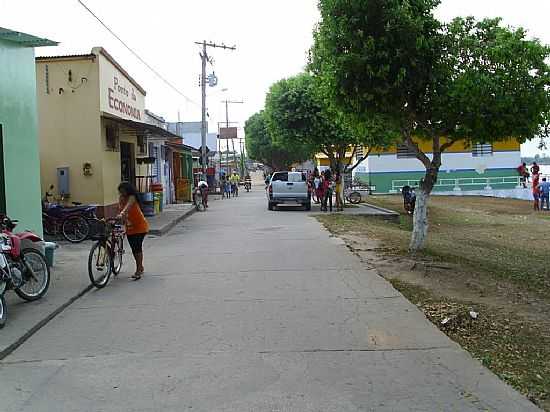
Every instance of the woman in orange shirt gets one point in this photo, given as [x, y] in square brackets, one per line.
[136, 224]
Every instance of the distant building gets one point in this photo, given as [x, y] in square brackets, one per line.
[20, 191]
[480, 167]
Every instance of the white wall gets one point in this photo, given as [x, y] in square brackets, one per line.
[450, 162]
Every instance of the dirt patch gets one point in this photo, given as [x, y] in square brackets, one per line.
[510, 333]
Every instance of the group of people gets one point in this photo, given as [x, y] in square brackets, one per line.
[540, 185]
[524, 174]
[323, 186]
[229, 185]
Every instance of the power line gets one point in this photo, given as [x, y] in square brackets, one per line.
[168, 83]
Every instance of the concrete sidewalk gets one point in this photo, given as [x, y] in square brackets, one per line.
[69, 280]
[161, 224]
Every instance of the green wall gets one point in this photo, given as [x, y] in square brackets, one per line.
[383, 181]
[18, 116]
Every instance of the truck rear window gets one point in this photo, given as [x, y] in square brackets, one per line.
[289, 177]
[280, 177]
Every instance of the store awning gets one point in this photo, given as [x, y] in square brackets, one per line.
[182, 148]
[145, 128]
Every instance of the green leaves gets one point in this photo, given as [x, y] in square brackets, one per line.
[260, 145]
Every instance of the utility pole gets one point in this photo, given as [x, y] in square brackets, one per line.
[227, 103]
[204, 127]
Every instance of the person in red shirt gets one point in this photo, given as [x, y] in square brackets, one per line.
[523, 174]
[536, 192]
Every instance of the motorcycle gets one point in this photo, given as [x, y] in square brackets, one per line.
[74, 223]
[22, 269]
[247, 185]
[409, 199]
[198, 200]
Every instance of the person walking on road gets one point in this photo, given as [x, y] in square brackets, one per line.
[235, 179]
[544, 188]
[137, 226]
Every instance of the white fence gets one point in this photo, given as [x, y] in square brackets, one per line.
[464, 183]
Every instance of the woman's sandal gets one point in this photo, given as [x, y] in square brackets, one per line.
[137, 275]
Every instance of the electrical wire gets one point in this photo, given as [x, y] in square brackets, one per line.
[155, 72]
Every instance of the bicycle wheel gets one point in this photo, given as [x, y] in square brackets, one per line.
[75, 229]
[3, 311]
[99, 264]
[35, 285]
[354, 198]
[118, 253]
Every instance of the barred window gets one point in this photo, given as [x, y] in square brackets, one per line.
[403, 152]
[482, 149]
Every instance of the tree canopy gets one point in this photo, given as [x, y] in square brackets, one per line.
[298, 110]
[261, 147]
[467, 80]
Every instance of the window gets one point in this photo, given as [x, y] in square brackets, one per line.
[482, 149]
[359, 152]
[280, 177]
[403, 152]
[111, 138]
[142, 147]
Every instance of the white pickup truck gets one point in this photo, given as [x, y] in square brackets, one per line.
[288, 188]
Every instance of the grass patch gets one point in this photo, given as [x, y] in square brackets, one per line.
[503, 237]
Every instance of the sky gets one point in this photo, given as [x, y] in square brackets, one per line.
[272, 39]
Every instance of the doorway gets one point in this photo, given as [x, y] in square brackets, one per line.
[2, 175]
[127, 163]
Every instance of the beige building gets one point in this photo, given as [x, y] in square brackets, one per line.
[91, 126]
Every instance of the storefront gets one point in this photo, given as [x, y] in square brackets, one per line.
[92, 128]
[20, 190]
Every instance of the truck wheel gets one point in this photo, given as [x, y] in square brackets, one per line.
[270, 206]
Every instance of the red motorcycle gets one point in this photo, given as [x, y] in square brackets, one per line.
[22, 268]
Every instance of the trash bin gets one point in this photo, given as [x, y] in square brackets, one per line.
[49, 249]
[157, 200]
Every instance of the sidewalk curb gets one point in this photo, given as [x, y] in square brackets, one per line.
[169, 226]
[9, 349]
[391, 214]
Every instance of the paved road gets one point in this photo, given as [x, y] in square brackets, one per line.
[247, 310]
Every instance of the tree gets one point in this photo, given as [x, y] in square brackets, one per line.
[260, 146]
[297, 110]
[475, 82]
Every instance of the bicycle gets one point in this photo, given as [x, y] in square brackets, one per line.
[106, 255]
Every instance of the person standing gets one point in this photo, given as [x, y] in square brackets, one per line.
[544, 189]
[523, 174]
[137, 226]
[338, 189]
[536, 192]
[234, 179]
[327, 191]
[317, 189]
[535, 169]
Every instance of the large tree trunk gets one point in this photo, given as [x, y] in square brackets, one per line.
[420, 221]
[420, 218]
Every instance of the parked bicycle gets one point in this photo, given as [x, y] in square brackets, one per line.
[22, 268]
[106, 254]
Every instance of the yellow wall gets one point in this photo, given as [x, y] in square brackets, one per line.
[69, 125]
[459, 147]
